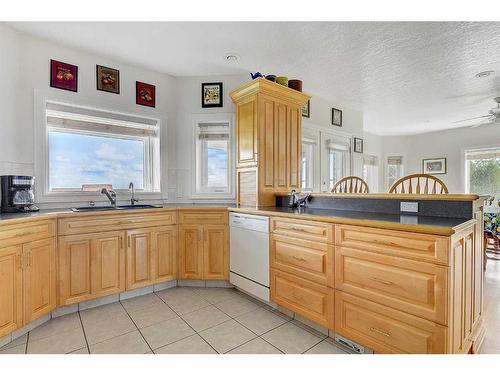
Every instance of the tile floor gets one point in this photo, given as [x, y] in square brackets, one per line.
[202, 320]
[178, 320]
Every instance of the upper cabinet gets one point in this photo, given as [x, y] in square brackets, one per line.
[268, 141]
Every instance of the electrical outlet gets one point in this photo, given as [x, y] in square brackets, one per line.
[409, 207]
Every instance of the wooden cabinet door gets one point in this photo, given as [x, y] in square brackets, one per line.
[11, 290]
[216, 253]
[281, 122]
[164, 253]
[191, 251]
[139, 259]
[74, 255]
[108, 263]
[294, 140]
[39, 279]
[246, 132]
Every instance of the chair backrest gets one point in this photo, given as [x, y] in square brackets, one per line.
[419, 184]
[350, 184]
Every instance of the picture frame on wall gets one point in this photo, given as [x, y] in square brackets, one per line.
[434, 166]
[63, 76]
[358, 145]
[211, 95]
[306, 109]
[145, 94]
[336, 117]
[108, 79]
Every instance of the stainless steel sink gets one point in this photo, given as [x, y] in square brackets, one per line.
[135, 206]
[110, 208]
[86, 209]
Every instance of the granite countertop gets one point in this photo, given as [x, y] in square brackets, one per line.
[47, 213]
[412, 223]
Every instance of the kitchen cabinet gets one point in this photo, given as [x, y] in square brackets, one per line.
[27, 273]
[11, 292]
[139, 258]
[268, 140]
[39, 278]
[164, 243]
[203, 244]
[91, 266]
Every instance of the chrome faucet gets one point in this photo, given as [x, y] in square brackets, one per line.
[132, 198]
[111, 195]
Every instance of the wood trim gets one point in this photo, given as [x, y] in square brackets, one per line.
[275, 90]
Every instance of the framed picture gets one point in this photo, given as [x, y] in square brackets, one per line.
[108, 79]
[434, 166]
[145, 94]
[63, 76]
[211, 95]
[336, 117]
[306, 109]
[358, 145]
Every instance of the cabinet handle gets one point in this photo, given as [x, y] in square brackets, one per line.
[19, 261]
[128, 241]
[298, 258]
[381, 281]
[28, 259]
[376, 330]
[298, 229]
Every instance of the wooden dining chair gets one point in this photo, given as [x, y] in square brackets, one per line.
[350, 184]
[419, 183]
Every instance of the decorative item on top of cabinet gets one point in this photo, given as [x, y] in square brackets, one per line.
[268, 136]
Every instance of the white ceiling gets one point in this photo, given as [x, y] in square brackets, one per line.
[405, 77]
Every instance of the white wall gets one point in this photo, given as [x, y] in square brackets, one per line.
[450, 144]
[11, 144]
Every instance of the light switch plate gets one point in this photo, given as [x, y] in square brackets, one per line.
[409, 207]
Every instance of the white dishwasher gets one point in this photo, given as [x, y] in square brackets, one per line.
[249, 254]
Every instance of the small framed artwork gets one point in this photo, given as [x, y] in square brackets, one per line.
[108, 79]
[211, 95]
[358, 145]
[336, 117]
[63, 76]
[306, 109]
[145, 94]
[434, 166]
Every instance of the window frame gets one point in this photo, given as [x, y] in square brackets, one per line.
[465, 164]
[386, 168]
[46, 197]
[372, 185]
[218, 118]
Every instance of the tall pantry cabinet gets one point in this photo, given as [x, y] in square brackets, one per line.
[268, 141]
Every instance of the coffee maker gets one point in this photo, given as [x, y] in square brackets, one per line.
[17, 194]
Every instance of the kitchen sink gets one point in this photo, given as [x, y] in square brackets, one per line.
[93, 208]
[110, 208]
[134, 206]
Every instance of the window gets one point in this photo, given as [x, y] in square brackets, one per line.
[482, 171]
[213, 158]
[93, 147]
[308, 156]
[370, 172]
[336, 158]
[394, 169]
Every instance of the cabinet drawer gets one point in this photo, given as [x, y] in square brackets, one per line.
[13, 234]
[311, 300]
[386, 330]
[311, 260]
[418, 288]
[304, 229]
[206, 216]
[115, 221]
[403, 244]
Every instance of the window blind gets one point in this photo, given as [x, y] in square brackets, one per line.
[394, 160]
[370, 160]
[482, 154]
[213, 131]
[61, 116]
